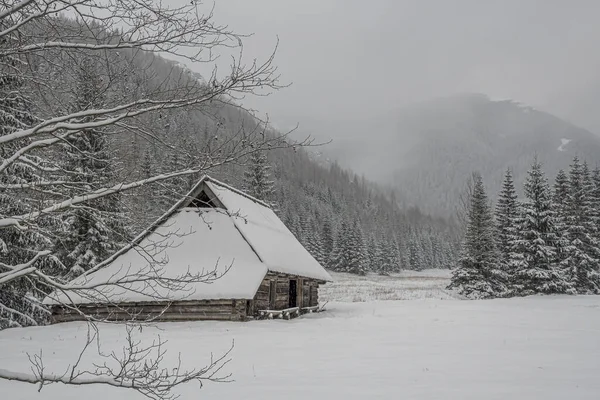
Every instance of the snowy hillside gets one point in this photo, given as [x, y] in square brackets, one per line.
[428, 150]
[522, 348]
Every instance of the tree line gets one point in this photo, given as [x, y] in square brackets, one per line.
[333, 212]
[347, 223]
[548, 242]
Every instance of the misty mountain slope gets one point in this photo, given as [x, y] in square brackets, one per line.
[317, 200]
[437, 144]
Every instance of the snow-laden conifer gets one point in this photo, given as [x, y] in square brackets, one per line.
[19, 301]
[478, 274]
[506, 213]
[257, 177]
[582, 261]
[99, 229]
[534, 257]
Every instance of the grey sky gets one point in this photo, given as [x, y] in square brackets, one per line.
[353, 59]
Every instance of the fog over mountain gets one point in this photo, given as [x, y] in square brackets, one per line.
[356, 68]
[329, 199]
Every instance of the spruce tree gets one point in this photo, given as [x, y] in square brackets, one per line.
[561, 191]
[415, 255]
[328, 239]
[316, 246]
[350, 250]
[339, 258]
[257, 177]
[534, 259]
[312, 237]
[427, 252]
[478, 274]
[356, 251]
[146, 165]
[435, 251]
[383, 256]
[96, 231]
[582, 261]
[373, 253]
[170, 191]
[559, 203]
[392, 259]
[594, 194]
[506, 215]
[19, 297]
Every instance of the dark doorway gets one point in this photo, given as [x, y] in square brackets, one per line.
[293, 292]
[249, 310]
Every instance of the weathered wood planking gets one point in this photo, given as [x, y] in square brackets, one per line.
[307, 292]
[306, 288]
[177, 311]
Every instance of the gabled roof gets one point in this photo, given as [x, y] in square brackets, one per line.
[237, 233]
[195, 241]
[276, 246]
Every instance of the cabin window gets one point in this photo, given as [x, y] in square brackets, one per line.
[293, 293]
[203, 201]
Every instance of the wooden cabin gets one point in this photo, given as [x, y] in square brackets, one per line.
[256, 266]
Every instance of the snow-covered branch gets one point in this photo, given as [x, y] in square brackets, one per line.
[79, 87]
[19, 270]
[15, 8]
[245, 150]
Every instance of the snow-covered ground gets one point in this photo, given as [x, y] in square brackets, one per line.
[527, 348]
[407, 285]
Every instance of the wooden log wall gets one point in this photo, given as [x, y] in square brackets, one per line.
[196, 310]
[307, 290]
[314, 288]
[261, 299]
[282, 297]
[306, 293]
[192, 310]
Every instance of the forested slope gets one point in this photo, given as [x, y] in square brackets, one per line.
[347, 222]
[331, 210]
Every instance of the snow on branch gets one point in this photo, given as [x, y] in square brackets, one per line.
[242, 80]
[19, 270]
[278, 142]
[15, 8]
[120, 24]
[31, 145]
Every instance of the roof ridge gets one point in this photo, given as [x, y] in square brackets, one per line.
[234, 190]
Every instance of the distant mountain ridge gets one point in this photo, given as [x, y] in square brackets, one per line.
[434, 146]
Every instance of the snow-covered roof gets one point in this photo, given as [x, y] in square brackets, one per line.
[276, 246]
[242, 239]
[191, 240]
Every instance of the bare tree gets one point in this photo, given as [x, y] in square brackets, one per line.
[39, 41]
[137, 366]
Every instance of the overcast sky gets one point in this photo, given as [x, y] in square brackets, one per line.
[349, 59]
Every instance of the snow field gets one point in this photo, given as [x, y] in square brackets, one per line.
[407, 285]
[523, 348]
